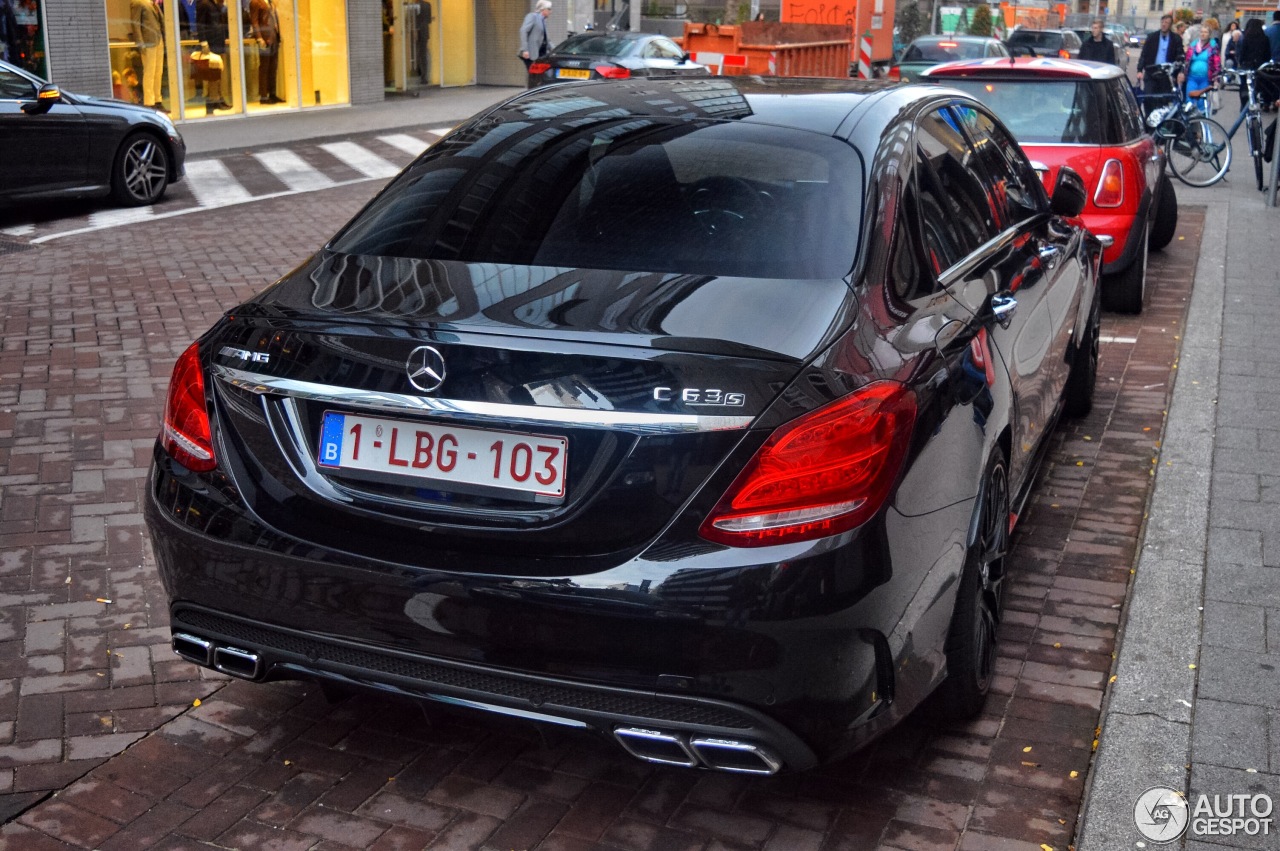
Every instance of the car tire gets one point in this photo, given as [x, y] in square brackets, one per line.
[1077, 396]
[1166, 219]
[1125, 291]
[971, 640]
[140, 174]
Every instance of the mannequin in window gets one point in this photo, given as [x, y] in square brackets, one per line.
[424, 41]
[265, 24]
[147, 23]
[211, 20]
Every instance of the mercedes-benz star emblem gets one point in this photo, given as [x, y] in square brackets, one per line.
[426, 369]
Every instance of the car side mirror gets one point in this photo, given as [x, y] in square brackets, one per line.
[1069, 194]
[686, 57]
[47, 96]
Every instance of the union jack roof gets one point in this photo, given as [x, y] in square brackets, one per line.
[1025, 66]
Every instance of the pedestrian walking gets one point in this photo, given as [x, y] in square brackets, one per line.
[1231, 45]
[533, 37]
[1161, 46]
[1273, 36]
[1098, 47]
[1202, 64]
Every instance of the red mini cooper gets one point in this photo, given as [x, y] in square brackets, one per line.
[1083, 115]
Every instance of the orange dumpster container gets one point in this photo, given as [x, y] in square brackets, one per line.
[770, 48]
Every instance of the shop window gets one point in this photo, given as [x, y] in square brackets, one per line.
[198, 58]
[22, 35]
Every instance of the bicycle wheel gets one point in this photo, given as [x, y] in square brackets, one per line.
[1253, 124]
[1201, 154]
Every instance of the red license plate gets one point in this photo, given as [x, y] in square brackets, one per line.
[508, 460]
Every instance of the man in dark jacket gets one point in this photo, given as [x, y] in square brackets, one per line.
[1098, 48]
[1161, 46]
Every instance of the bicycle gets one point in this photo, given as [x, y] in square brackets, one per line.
[1251, 115]
[1197, 148]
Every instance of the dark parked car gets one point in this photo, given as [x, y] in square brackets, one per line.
[1064, 44]
[615, 56]
[57, 144]
[695, 413]
[929, 50]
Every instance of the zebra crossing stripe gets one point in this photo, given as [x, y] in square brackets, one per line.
[127, 216]
[293, 171]
[404, 142]
[361, 159]
[212, 184]
[441, 131]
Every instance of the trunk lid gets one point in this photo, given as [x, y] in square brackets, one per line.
[627, 390]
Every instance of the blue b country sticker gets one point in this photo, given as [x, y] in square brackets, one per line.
[331, 440]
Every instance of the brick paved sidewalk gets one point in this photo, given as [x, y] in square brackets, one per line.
[92, 326]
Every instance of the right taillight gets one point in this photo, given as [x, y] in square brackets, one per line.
[539, 67]
[186, 435]
[827, 472]
[1110, 191]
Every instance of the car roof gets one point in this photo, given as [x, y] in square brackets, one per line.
[925, 39]
[1027, 67]
[623, 34]
[821, 105]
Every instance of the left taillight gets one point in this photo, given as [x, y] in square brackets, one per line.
[613, 72]
[827, 472]
[539, 67]
[1110, 192]
[186, 436]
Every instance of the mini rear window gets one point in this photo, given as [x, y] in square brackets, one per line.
[1044, 111]
[1046, 40]
[633, 194]
[944, 51]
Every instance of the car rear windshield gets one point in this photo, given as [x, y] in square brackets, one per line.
[635, 194]
[1044, 111]
[943, 51]
[1046, 40]
[595, 45]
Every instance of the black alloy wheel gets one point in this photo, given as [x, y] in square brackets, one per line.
[1125, 291]
[1166, 218]
[971, 641]
[141, 173]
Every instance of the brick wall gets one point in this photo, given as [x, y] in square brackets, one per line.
[76, 39]
[364, 31]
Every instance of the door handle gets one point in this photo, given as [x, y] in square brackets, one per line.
[1049, 255]
[1003, 308]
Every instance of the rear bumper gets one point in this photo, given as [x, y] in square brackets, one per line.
[279, 653]
[753, 654]
[1127, 230]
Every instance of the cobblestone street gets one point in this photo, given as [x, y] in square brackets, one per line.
[101, 745]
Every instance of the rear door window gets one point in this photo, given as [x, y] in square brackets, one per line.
[956, 214]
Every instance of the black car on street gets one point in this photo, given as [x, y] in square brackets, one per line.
[615, 55]
[61, 145]
[695, 413]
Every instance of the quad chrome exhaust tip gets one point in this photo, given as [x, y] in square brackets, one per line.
[244, 664]
[731, 755]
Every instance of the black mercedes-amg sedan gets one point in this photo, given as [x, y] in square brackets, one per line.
[61, 145]
[696, 413]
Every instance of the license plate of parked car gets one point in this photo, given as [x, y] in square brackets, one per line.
[573, 73]
[530, 463]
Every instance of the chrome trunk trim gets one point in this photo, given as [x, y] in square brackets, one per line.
[460, 409]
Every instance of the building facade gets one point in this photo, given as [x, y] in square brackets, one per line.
[206, 59]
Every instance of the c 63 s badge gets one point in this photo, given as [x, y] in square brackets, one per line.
[700, 397]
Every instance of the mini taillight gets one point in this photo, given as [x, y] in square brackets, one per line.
[186, 420]
[827, 472]
[1064, 54]
[1110, 192]
[895, 73]
[613, 72]
[539, 67]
